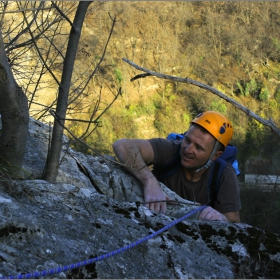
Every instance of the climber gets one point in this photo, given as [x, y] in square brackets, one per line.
[208, 135]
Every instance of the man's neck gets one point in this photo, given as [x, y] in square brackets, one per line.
[194, 176]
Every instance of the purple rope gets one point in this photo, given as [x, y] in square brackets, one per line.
[105, 256]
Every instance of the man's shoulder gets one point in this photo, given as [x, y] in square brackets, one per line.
[229, 168]
[229, 175]
[224, 174]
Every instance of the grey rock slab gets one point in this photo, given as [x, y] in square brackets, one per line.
[96, 207]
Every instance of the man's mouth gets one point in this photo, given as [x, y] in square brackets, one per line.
[187, 157]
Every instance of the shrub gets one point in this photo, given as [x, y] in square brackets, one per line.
[218, 106]
[264, 94]
[277, 95]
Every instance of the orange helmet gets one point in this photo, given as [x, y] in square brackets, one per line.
[216, 124]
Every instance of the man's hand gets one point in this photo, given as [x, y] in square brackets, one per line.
[153, 192]
[210, 214]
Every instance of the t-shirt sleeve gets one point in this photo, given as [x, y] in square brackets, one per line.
[164, 150]
[228, 199]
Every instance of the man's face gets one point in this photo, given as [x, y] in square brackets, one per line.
[196, 148]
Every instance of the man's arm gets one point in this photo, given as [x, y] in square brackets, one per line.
[135, 154]
[228, 198]
[233, 216]
[210, 214]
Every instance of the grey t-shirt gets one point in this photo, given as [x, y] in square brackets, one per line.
[228, 199]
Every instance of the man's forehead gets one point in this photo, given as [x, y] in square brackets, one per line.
[194, 128]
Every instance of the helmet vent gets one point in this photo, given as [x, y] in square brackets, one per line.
[223, 128]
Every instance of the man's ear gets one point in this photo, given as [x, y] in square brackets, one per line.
[217, 154]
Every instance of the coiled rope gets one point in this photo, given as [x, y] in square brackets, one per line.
[105, 256]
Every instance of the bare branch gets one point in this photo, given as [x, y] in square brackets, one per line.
[62, 14]
[77, 120]
[97, 103]
[82, 142]
[109, 159]
[34, 41]
[26, 28]
[269, 123]
[103, 112]
[23, 10]
[101, 59]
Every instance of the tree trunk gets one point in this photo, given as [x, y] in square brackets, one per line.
[15, 119]
[62, 102]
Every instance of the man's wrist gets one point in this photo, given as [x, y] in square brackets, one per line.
[147, 178]
[226, 219]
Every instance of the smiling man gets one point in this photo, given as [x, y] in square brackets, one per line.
[205, 140]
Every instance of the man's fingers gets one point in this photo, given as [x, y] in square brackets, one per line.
[210, 214]
[205, 214]
[163, 208]
[159, 207]
[150, 205]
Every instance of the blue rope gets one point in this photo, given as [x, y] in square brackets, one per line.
[105, 256]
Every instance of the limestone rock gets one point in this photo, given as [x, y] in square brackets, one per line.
[96, 208]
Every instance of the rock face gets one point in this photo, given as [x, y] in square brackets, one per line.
[95, 208]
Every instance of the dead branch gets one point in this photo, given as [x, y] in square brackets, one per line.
[100, 60]
[269, 123]
[109, 159]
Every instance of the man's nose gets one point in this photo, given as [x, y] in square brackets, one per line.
[188, 148]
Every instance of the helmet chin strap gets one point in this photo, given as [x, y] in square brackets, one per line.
[208, 163]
